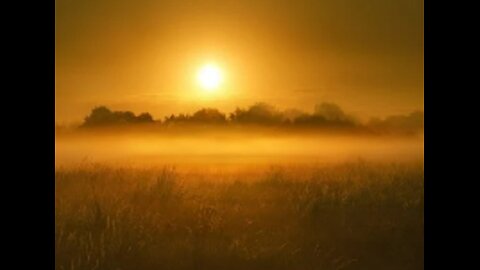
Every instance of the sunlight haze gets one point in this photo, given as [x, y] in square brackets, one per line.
[141, 55]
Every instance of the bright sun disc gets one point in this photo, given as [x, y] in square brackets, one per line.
[209, 77]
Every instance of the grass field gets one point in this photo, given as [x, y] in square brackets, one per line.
[347, 216]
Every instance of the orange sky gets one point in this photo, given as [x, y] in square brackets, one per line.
[367, 56]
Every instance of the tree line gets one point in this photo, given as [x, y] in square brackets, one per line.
[328, 115]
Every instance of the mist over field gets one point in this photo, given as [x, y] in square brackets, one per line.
[232, 148]
[260, 133]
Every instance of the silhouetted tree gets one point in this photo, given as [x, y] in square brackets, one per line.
[330, 112]
[102, 116]
[410, 123]
[124, 117]
[144, 118]
[325, 115]
[310, 120]
[259, 113]
[203, 116]
[208, 115]
[99, 116]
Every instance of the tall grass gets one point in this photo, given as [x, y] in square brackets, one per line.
[347, 216]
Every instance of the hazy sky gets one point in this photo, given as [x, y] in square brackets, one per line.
[143, 55]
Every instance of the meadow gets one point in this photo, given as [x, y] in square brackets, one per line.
[346, 215]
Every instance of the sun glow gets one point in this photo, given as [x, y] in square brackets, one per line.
[210, 77]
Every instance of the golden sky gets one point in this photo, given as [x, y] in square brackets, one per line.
[144, 55]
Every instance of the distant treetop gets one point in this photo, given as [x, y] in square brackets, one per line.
[102, 116]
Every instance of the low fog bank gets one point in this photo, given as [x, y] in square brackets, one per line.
[232, 148]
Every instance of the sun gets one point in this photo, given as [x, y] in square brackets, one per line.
[210, 77]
